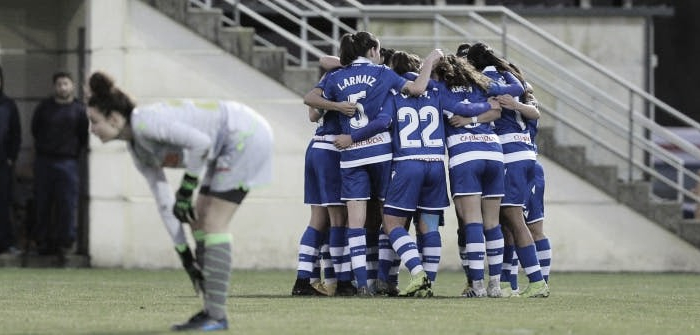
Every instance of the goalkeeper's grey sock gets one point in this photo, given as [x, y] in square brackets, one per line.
[217, 273]
[199, 246]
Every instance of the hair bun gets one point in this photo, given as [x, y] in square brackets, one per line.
[100, 84]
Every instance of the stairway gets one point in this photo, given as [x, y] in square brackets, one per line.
[636, 195]
[238, 41]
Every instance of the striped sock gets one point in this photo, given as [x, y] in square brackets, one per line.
[386, 257]
[494, 251]
[199, 246]
[432, 250]
[514, 264]
[528, 259]
[337, 243]
[217, 273]
[357, 242]
[372, 257]
[405, 246]
[544, 254]
[462, 246]
[508, 251]
[395, 268]
[476, 249]
[308, 254]
[327, 264]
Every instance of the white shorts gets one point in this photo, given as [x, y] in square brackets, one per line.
[244, 161]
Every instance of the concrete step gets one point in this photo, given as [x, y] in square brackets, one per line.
[205, 22]
[238, 41]
[270, 61]
[300, 80]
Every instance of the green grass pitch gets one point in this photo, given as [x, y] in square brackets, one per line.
[114, 301]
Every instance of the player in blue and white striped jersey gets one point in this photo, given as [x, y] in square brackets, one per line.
[519, 158]
[359, 89]
[418, 181]
[476, 170]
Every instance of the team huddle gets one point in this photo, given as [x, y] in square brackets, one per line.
[387, 121]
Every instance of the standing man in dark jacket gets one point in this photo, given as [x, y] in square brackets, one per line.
[10, 139]
[60, 130]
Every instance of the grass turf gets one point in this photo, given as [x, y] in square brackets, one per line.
[111, 301]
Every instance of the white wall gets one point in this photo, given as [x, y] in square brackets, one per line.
[153, 58]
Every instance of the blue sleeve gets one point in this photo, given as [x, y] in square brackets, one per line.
[513, 86]
[379, 124]
[467, 109]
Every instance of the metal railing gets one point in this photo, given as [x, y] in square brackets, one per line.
[586, 103]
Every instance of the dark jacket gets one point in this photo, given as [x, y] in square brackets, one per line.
[10, 131]
[60, 130]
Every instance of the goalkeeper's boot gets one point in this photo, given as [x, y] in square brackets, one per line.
[538, 289]
[418, 282]
[302, 287]
[192, 269]
[494, 288]
[477, 290]
[202, 322]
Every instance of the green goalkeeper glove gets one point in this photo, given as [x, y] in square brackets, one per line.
[183, 209]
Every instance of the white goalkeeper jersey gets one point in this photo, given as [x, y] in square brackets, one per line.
[226, 139]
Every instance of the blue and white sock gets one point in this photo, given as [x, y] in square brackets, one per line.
[406, 248]
[514, 266]
[326, 262]
[476, 249]
[372, 257]
[386, 257]
[544, 254]
[494, 251]
[337, 245]
[530, 263]
[308, 254]
[508, 252]
[358, 254]
[462, 247]
[432, 250]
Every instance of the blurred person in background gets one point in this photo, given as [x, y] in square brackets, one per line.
[60, 130]
[10, 139]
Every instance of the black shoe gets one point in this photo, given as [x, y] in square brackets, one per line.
[302, 287]
[345, 289]
[203, 322]
[192, 270]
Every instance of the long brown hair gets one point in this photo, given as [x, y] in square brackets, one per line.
[456, 71]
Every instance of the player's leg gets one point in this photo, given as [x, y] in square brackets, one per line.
[309, 245]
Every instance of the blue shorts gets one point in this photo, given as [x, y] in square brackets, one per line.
[534, 207]
[519, 175]
[417, 184]
[482, 176]
[322, 180]
[365, 181]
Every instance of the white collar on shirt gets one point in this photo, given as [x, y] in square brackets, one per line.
[362, 59]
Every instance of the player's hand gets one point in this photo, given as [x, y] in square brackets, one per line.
[458, 121]
[347, 108]
[342, 141]
[183, 209]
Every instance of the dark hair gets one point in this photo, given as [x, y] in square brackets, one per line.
[61, 74]
[462, 49]
[402, 62]
[456, 71]
[108, 98]
[356, 45]
[527, 96]
[481, 56]
[386, 54]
